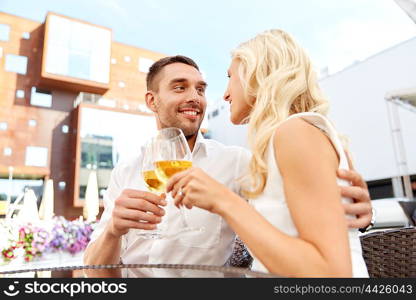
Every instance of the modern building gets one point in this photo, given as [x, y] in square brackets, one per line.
[68, 94]
[359, 110]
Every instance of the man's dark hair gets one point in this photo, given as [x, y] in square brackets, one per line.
[155, 69]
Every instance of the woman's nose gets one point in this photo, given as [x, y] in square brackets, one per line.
[226, 96]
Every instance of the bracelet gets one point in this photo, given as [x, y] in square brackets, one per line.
[372, 222]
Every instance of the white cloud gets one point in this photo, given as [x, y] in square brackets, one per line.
[357, 40]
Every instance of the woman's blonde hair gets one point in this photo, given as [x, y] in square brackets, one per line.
[278, 73]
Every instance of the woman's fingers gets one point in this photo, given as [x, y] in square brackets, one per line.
[175, 178]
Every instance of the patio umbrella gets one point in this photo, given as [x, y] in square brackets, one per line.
[47, 206]
[409, 6]
[91, 204]
[29, 210]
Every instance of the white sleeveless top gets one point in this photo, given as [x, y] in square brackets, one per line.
[272, 203]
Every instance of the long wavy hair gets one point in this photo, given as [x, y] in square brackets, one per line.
[278, 73]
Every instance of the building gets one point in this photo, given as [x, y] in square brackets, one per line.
[68, 93]
[359, 110]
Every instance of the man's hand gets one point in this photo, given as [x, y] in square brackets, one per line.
[135, 209]
[358, 191]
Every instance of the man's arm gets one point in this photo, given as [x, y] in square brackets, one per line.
[104, 250]
[131, 211]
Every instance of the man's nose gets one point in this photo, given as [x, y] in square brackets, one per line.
[195, 96]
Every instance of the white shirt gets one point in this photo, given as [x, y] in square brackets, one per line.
[272, 203]
[227, 164]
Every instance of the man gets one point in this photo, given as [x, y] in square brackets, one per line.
[176, 94]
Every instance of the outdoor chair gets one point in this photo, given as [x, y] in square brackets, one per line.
[390, 253]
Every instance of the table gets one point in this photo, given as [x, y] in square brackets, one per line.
[206, 270]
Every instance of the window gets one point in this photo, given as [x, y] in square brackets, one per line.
[127, 58]
[26, 35]
[36, 156]
[79, 50]
[65, 128]
[144, 64]
[7, 151]
[113, 61]
[62, 185]
[3, 126]
[20, 94]
[16, 64]
[122, 84]
[4, 32]
[32, 123]
[1, 52]
[40, 98]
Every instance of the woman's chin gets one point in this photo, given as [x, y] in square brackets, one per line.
[236, 121]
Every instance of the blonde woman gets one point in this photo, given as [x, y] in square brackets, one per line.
[293, 224]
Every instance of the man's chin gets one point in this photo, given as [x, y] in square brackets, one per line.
[190, 131]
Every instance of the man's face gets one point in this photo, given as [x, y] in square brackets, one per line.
[180, 100]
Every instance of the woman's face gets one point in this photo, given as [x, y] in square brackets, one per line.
[239, 103]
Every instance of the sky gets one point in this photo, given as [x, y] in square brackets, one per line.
[336, 34]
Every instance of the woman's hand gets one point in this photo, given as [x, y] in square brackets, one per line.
[194, 187]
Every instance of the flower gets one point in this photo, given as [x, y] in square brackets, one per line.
[61, 235]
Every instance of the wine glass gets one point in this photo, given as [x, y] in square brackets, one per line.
[173, 155]
[153, 184]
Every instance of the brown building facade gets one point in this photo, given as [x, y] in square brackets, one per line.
[49, 74]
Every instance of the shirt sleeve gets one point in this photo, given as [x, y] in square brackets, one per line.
[112, 192]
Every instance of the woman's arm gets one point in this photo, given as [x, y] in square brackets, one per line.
[308, 164]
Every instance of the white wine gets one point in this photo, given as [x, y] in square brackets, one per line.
[165, 169]
[152, 182]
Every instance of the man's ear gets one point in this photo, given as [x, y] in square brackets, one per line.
[150, 101]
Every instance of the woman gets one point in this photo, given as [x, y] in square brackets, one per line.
[294, 223]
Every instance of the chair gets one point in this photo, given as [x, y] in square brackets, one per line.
[240, 258]
[390, 253]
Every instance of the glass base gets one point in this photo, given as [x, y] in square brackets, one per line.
[161, 234]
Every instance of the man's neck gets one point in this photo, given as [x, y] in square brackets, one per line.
[191, 141]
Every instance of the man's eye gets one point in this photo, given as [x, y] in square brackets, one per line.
[201, 90]
[178, 88]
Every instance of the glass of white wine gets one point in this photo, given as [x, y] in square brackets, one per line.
[173, 155]
[153, 184]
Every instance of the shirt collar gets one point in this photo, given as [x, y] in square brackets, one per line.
[200, 145]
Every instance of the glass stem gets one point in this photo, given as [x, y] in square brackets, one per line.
[183, 216]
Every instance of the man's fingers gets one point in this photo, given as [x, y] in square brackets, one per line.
[361, 210]
[136, 215]
[357, 208]
[146, 206]
[136, 225]
[352, 176]
[139, 204]
[151, 197]
[360, 222]
[355, 192]
[349, 159]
